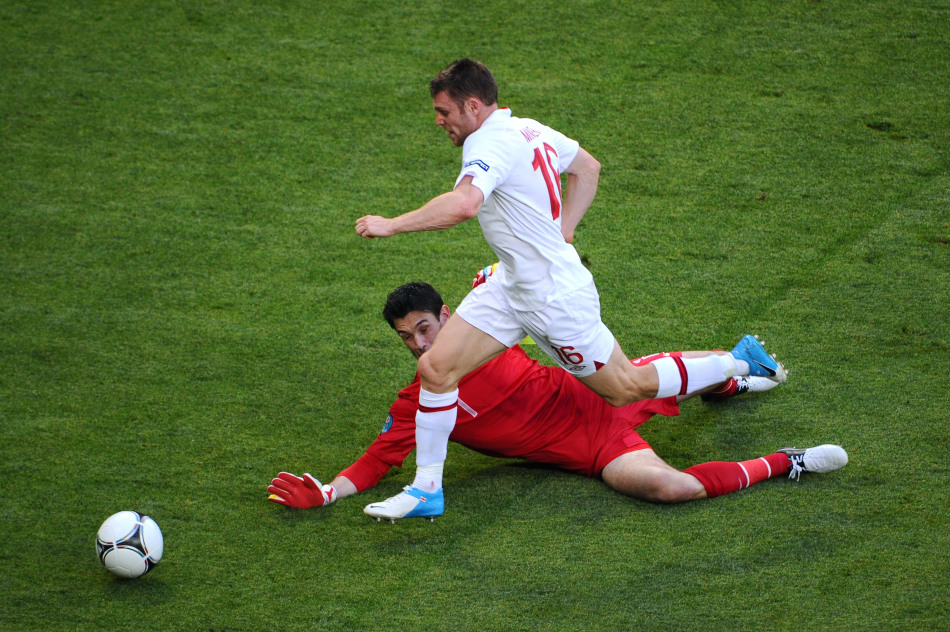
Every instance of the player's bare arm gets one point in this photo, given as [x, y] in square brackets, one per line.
[444, 211]
[583, 175]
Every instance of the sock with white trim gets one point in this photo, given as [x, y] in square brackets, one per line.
[721, 477]
[435, 421]
[682, 376]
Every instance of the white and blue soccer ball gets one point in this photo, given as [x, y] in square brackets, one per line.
[129, 544]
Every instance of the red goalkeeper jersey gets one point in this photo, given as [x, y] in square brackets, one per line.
[514, 407]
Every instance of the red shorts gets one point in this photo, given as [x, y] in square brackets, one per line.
[622, 437]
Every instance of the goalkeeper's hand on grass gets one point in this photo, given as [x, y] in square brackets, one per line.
[300, 493]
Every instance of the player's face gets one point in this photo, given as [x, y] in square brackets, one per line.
[419, 329]
[459, 123]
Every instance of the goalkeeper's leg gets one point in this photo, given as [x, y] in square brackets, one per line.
[459, 349]
[642, 474]
[424, 498]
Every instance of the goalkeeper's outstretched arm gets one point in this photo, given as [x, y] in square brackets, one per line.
[344, 487]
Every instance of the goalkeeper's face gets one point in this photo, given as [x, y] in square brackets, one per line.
[419, 329]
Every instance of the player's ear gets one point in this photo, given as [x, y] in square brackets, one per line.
[444, 314]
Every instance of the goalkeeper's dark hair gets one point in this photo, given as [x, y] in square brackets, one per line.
[411, 297]
[466, 78]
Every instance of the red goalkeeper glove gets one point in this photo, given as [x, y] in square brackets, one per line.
[300, 493]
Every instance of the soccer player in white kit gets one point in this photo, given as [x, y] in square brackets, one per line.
[511, 180]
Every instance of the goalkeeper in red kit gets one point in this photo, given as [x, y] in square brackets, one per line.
[514, 407]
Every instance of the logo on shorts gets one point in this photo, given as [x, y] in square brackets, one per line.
[477, 163]
[387, 425]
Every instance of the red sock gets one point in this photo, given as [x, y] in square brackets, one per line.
[722, 477]
[727, 390]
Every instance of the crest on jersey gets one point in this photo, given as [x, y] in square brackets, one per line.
[388, 424]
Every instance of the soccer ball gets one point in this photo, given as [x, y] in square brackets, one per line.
[129, 544]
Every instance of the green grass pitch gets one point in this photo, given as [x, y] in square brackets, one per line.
[185, 309]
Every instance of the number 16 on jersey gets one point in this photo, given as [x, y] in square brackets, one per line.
[552, 178]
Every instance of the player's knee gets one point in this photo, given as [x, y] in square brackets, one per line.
[667, 496]
[433, 376]
[672, 489]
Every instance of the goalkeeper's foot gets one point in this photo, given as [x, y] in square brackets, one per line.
[740, 385]
[411, 503]
[820, 460]
[761, 364]
[750, 384]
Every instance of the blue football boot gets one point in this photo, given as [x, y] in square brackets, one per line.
[761, 364]
[411, 503]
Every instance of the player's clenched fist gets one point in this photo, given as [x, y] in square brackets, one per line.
[370, 226]
[300, 493]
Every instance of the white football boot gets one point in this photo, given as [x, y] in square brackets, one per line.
[753, 384]
[820, 459]
[411, 503]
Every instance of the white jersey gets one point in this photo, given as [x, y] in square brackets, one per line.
[517, 165]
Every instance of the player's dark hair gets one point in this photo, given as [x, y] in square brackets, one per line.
[411, 297]
[465, 78]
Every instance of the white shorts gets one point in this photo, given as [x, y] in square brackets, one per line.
[568, 329]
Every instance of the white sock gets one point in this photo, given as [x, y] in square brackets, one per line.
[742, 367]
[429, 477]
[435, 421]
[682, 376]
